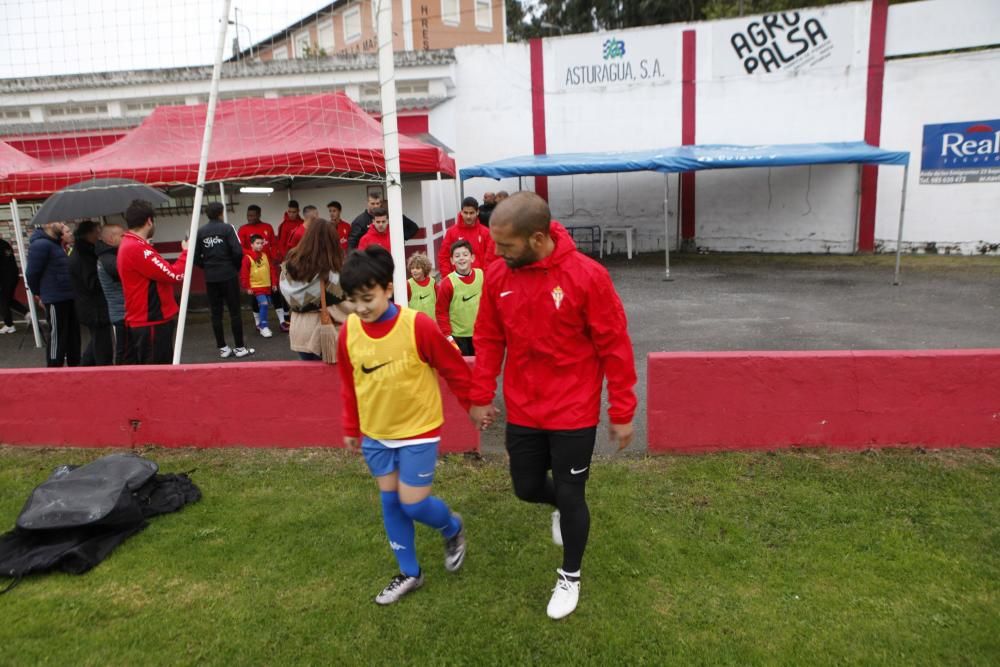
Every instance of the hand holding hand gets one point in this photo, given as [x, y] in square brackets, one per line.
[621, 434]
[483, 416]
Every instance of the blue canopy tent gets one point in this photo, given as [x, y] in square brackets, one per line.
[696, 158]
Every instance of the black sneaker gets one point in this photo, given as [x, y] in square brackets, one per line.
[454, 548]
[400, 585]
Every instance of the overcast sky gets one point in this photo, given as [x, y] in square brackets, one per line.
[41, 37]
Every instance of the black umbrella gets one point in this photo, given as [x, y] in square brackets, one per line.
[96, 197]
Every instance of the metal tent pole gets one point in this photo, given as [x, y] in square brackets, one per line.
[390, 139]
[222, 198]
[430, 230]
[19, 236]
[666, 223]
[199, 193]
[899, 235]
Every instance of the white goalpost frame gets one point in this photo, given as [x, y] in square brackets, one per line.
[19, 237]
[390, 138]
[199, 193]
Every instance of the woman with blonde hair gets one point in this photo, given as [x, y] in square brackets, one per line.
[311, 266]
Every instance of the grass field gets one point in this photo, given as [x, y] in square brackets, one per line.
[802, 557]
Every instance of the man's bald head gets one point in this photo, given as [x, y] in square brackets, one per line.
[526, 212]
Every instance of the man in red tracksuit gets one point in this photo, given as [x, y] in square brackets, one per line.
[148, 283]
[467, 228]
[556, 315]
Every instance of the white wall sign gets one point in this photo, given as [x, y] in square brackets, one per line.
[607, 59]
[785, 42]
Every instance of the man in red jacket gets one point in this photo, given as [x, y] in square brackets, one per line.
[148, 283]
[467, 228]
[556, 315]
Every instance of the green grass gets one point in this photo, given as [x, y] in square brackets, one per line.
[802, 557]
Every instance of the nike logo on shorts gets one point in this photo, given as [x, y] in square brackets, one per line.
[574, 471]
[365, 369]
[503, 294]
[424, 475]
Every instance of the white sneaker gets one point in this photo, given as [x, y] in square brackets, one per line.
[7, 330]
[225, 352]
[556, 529]
[400, 585]
[241, 352]
[565, 596]
[266, 332]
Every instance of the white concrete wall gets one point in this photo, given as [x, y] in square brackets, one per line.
[926, 91]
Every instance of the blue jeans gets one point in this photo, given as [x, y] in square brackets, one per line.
[263, 301]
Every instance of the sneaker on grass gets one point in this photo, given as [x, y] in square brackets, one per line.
[565, 596]
[557, 529]
[454, 548]
[400, 585]
[241, 352]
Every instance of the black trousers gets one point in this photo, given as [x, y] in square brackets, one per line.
[8, 304]
[64, 335]
[152, 344]
[533, 453]
[118, 331]
[100, 351]
[465, 345]
[226, 294]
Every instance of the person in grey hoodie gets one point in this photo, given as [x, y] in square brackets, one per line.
[219, 253]
[47, 276]
[111, 284]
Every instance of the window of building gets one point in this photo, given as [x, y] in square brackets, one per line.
[374, 4]
[145, 107]
[326, 37]
[15, 115]
[484, 14]
[77, 111]
[352, 24]
[280, 53]
[450, 12]
[303, 44]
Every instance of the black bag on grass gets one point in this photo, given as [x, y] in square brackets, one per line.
[75, 519]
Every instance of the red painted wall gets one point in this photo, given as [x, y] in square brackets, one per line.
[699, 402]
[257, 404]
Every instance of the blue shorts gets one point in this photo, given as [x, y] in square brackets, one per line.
[415, 463]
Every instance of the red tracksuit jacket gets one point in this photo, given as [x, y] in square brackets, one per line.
[284, 241]
[147, 281]
[478, 237]
[372, 237]
[563, 329]
[261, 229]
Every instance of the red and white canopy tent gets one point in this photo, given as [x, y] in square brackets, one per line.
[13, 160]
[319, 136]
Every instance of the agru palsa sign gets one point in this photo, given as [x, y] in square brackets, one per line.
[961, 153]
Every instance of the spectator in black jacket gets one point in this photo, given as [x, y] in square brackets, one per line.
[111, 284]
[9, 277]
[218, 251]
[486, 208]
[360, 224]
[91, 307]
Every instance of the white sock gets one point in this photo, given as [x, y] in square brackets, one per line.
[572, 575]
[281, 314]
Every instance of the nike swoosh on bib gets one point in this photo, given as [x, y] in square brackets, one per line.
[365, 369]
[469, 298]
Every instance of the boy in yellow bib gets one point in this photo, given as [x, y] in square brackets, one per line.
[458, 298]
[387, 358]
[421, 288]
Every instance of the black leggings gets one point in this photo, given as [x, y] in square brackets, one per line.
[226, 293]
[8, 304]
[533, 453]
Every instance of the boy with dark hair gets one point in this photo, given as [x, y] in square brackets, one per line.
[286, 229]
[378, 233]
[148, 284]
[387, 358]
[309, 213]
[467, 228]
[259, 277]
[343, 227]
[218, 252]
[458, 298]
[361, 224]
[257, 226]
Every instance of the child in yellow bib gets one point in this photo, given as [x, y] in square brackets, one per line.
[388, 359]
[421, 288]
[458, 298]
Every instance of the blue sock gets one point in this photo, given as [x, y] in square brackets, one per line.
[399, 529]
[434, 512]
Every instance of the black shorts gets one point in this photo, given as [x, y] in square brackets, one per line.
[566, 453]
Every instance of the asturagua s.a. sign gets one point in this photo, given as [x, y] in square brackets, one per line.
[613, 59]
[966, 152]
